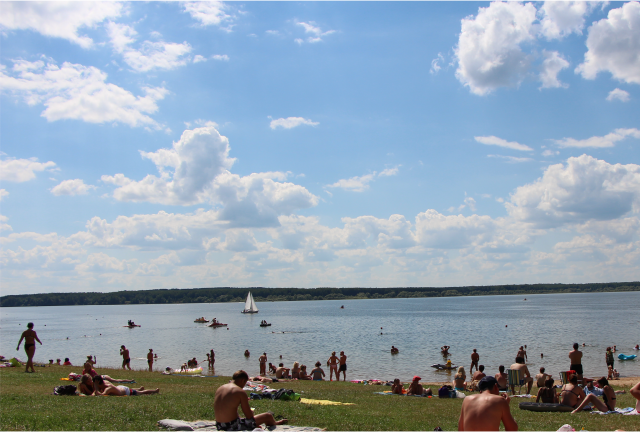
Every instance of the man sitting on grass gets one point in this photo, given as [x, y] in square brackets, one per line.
[226, 402]
[486, 410]
[102, 387]
[416, 389]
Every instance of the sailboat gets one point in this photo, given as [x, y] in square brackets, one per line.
[250, 305]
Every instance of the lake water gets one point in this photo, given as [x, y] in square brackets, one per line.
[309, 331]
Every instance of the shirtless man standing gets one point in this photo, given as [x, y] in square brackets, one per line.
[524, 373]
[102, 387]
[263, 364]
[576, 361]
[30, 337]
[343, 367]
[522, 353]
[486, 410]
[231, 396]
[475, 357]
[150, 359]
[333, 365]
[126, 360]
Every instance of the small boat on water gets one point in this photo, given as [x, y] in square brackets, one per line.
[132, 326]
[201, 320]
[216, 323]
[265, 324]
[250, 305]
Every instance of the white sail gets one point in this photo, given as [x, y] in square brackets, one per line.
[250, 305]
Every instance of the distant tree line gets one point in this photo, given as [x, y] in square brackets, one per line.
[260, 294]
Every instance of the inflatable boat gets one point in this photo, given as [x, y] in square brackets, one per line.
[627, 357]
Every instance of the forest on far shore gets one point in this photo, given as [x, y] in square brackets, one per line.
[260, 294]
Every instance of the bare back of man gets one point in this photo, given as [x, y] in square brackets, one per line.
[524, 374]
[576, 361]
[485, 411]
[229, 398]
[343, 367]
[475, 357]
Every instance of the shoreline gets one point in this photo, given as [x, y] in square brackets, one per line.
[621, 382]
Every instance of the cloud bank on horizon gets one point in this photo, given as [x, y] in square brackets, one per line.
[480, 143]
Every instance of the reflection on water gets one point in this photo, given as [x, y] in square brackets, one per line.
[365, 329]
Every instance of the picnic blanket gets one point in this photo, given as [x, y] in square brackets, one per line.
[256, 387]
[210, 425]
[628, 410]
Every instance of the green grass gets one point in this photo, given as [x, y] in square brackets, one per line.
[27, 403]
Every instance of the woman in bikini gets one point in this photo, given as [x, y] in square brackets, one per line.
[572, 395]
[609, 397]
[29, 337]
[459, 380]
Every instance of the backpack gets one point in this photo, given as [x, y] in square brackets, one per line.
[65, 390]
[444, 392]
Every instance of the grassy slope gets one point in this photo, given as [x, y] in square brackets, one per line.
[26, 403]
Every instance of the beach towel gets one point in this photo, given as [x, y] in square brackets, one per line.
[634, 412]
[616, 411]
[322, 402]
[210, 426]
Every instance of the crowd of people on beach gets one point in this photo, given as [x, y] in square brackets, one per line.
[486, 409]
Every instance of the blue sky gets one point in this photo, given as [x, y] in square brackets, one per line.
[178, 144]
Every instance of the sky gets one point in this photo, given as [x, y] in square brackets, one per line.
[151, 145]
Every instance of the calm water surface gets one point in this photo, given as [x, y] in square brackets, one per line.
[309, 331]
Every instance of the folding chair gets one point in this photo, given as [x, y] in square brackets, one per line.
[564, 378]
[514, 380]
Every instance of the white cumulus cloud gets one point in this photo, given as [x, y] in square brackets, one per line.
[78, 92]
[561, 18]
[552, 64]
[617, 94]
[21, 170]
[494, 140]
[196, 170]
[220, 57]
[3, 193]
[150, 55]
[291, 122]
[361, 183]
[614, 45]
[584, 189]
[316, 32]
[72, 187]
[489, 50]
[511, 159]
[608, 140]
[61, 19]
[210, 13]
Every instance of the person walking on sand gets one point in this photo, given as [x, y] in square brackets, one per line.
[263, 364]
[230, 397]
[126, 360]
[486, 410]
[150, 359]
[475, 357]
[30, 337]
[343, 367]
[333, 365]
[576, 361]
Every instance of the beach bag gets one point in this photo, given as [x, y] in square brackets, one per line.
[444, 392]
[65, 390]
[290, 395]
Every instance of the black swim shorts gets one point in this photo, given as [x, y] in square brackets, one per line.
[238, 424]
[343, 367]
[127, 360]
[577, 368]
